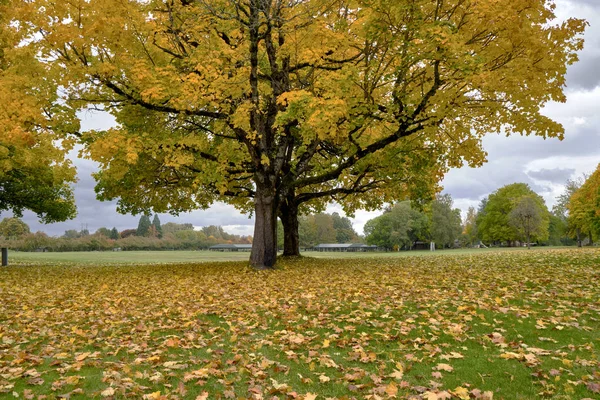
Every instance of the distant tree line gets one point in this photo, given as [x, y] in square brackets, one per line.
[512, 215]
[149, 235]
[322, 228]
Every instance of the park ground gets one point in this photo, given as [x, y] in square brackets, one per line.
[513, 324]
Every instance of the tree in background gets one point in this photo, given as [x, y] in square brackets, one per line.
[114, 234]
[344, 232]
[103, 231]
[561, 209]
[157, 227]
[278, 105]
[470, 234]
[13, 228]
[526, 218]
[34, 172]
[493, 221]
[584, 207]
[144, 225]
[172, 227]
[446, 224]
[324, 228]
[399, 227]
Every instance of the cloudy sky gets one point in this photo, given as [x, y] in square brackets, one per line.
[544, 164]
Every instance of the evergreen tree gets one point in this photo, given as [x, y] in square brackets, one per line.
[143, 226]
[114, 234]
[157, 226]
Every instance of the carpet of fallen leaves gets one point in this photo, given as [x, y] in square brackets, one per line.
[512, 325]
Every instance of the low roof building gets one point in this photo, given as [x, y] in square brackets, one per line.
[348, 247]
[231, 247]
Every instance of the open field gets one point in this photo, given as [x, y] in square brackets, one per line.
[501, 325]
[161, 257]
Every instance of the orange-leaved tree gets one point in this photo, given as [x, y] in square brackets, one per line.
[34, 172]
[279, 107]
[584, 208]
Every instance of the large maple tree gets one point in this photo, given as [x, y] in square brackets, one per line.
[278, 106]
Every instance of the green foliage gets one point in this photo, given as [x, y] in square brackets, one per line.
[104, 232]
[446, 223]
[13, 228]
[144, 225]
[526, 218]
[493, 220]
[399, 227]
[470, 232]
[157, 226]
[114, 234]
[325, 228]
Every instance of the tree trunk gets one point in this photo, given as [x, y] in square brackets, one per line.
[528, 242]
[288, 212]
[578, 233]
[264, 244]
[591, 239]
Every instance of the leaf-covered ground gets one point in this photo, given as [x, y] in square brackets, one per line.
[512, 325]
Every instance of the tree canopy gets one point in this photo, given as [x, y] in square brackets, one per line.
[282, 106]
[398, 227]
[526, 217]
[446, 223]
[494, 219]
[584, 206]
[12, 228]
[34, 173]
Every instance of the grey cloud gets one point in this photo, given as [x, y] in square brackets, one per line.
[555, 175]
[476, 183]
[584, 74]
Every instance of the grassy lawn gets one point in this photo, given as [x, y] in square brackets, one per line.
[450, 325]
[162, 257]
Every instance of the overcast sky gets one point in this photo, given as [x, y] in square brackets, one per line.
[544, 164]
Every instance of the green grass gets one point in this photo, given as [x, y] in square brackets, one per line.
[515, 324]
[178, 257]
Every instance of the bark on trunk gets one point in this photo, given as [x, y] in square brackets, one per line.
[579, 244]
[591, 239]
[289, 219]
[264, 244]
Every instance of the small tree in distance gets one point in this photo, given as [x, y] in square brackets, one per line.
[526, 218]
[157, 226]
[143, 226]
[114, 234]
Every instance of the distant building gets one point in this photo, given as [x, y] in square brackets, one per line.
[345, 247]
[230, 247]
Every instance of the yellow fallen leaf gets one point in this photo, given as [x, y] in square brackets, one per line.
[391, 389]
[325, 343]
[397, 374]
[109, 391]
[82, 356]
[461, 393]
[202, 396]
[310, 396]
[444, 367]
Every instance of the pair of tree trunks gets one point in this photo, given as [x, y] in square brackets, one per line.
[267, 208]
